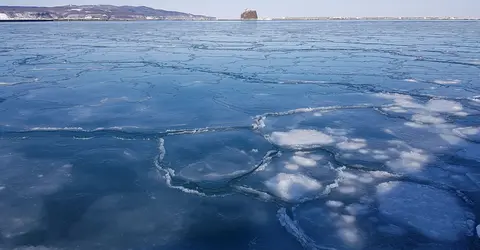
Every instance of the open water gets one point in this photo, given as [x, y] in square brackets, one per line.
[240, 135]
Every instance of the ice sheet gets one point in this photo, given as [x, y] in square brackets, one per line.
[434, 213]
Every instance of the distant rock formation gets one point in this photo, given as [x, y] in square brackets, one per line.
[249, 15]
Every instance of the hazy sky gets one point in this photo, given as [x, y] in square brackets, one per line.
[279, 8]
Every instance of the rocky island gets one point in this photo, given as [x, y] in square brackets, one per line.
[92, 13]
[249, 15]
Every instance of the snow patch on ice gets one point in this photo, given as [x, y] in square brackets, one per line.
[404, 101]
[427, 119]
[395, 109]
[304, 161]
[57, 129]
[300, 138]
[447, 82]
[352, 144]
[292, 187]
[334, 204]
[409, 162]
[161, 149]
[445, 106]
[336, 131]
[347, 189]
[350, 235]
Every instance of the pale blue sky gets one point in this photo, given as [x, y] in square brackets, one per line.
[279, 8]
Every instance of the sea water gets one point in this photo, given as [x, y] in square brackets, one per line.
[240, 135]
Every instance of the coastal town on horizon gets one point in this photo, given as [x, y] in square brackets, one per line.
[141, 13]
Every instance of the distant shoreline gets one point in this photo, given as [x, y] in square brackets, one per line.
[357, 18]
[259, 20]
[24, 20]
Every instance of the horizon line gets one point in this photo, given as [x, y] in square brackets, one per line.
[260, 17]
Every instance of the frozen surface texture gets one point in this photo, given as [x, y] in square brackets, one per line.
[323, 135]
[423, 208]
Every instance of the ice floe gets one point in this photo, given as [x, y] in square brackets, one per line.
[210, 160]
[434, 213]
[217, 166]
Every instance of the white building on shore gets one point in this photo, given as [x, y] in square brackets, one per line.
[4, 16]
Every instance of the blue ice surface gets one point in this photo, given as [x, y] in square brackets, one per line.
[240, 135]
